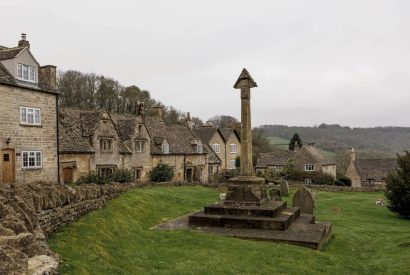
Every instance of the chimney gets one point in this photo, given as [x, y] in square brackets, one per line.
[140, 109]
[353, 155]
[23, 42]
[158, 110]
[208, 124]
[189, 121]
[47, 77]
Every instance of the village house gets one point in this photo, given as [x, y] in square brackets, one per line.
[232, 147]
[28, 117]
[89, 142]
[100, 142]
[305, 158]
[369, 172]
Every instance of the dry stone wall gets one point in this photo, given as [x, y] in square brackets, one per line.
[29, 213]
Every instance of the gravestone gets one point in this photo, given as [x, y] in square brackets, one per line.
[303, 199]
[284, 188]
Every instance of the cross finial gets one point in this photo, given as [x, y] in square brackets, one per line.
[245, 80]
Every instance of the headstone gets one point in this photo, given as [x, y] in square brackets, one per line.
[275, 194]
[303, 199]
[284, 188]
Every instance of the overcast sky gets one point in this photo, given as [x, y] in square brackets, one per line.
[345, 62]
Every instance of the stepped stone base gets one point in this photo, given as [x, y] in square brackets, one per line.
[244, 190]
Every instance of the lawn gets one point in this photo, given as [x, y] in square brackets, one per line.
[117, 240]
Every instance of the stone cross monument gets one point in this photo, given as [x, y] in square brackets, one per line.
[245, 83]
[246, 189]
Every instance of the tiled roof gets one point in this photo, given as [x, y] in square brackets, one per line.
[304, 155]
[205, 133]
[76, 128]
[375, 169]
[226, 132]
[71, 137]
[8, 53]
[5, 76]
[279, 157]
[179, 137]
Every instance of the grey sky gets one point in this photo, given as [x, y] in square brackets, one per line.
[345, 62]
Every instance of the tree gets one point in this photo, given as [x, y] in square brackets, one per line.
[295, 141]
[398, 186]
[259, 145]
[342, 159]
[223, 121]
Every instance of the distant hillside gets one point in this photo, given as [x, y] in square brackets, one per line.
[369, 142]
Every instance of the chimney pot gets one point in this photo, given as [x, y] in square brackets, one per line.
[23, 42]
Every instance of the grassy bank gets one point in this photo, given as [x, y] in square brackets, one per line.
[117, 240]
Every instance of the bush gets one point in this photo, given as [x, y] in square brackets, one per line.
[345, 180]
[161, 173]
[398, 187]
[120, 175]
[322, 178]
[223, 176]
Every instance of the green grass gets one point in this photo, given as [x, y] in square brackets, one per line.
[283, 143]
[117, 240]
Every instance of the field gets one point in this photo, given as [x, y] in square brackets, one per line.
[282, 143]
[367, 239]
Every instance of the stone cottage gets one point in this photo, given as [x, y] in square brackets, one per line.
[306, 159]
[89, 142]
[100, 142]
[179, 147]
[369, 172]
[28, 117]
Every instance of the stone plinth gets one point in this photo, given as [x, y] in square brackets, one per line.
[246, 190]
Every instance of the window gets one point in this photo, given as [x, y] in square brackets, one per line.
[199, 149]
[32, 159]
[25, 72]
[137, 173]
[30, 116]
[233, 148]
[308, 180]
[105, 172]
[140, 146]
[165, 148]
[216, 147]
[6, 157]
[232, 164]
[106, 145]
[309, 167]
[140, 129]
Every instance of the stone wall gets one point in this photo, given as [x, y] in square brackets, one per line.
[29, 213]
[334, 188]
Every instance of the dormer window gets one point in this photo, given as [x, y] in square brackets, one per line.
[165, 148]
[106, 145]
[26, 73]
[216, 147]
[199, 148]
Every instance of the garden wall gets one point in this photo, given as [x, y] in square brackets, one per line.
[29, 213]
[334, 188]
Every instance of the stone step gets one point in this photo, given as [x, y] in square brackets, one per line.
[270, 209]
[280, 222]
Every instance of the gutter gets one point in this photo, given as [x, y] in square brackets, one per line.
[58, 141]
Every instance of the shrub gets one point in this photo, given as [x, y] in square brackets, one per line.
[122, 175]
[162, 172]
[238, 162]
[398, 187]
[345, 180]
[119, 175]
[322, 178]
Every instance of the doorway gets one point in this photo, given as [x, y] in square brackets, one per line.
[188, 174]
[68, 175]
[8, 165]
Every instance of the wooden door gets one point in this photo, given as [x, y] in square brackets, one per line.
[8, 165]
[68, 175]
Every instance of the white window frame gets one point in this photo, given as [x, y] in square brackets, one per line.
[233, 148]
[199, 148]
[232, 164]
[36, 115]
[26, 73]
[36, 156]
[309, 167]
[165, 148]
[217, 148]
